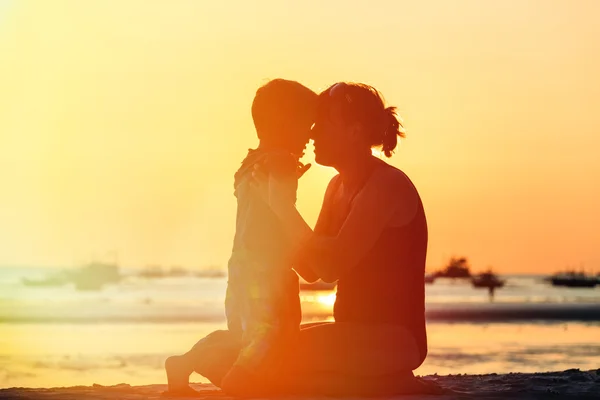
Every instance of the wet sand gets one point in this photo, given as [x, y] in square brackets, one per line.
[570, 384]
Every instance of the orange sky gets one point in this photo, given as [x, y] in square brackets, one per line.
[122, 123]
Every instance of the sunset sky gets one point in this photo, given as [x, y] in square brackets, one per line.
[122, 122]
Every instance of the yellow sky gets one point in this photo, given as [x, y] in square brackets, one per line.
[122, 122]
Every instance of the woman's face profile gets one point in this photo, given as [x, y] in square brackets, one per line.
[329, 136]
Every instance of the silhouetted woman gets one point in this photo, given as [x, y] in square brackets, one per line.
[371, 237]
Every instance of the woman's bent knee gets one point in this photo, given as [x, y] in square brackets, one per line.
[356, 349]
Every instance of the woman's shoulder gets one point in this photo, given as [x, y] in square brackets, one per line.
[392, 183]
[335, 180]
[393, 178]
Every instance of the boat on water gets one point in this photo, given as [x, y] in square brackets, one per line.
[91, 276]
[158, 272]
[487, 280]
[95, 275]
[153, 272]
[456, 268]
[574, 279]
[211, 272]
[54, 280]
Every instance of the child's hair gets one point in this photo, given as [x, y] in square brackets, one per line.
[279, 104]
[363, 104]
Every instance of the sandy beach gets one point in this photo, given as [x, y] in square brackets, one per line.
[570, 384]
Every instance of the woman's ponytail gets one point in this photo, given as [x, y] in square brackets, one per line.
[392, 129]
[363, 104]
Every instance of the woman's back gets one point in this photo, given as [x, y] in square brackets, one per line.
[387, 284]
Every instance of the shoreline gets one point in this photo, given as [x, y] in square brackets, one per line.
[435, 312]
[569, 384]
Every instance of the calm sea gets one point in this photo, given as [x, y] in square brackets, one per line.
[59, 336]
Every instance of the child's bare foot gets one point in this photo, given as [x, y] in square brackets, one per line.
[178, 374]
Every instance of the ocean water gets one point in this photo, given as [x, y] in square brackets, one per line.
[58, 336]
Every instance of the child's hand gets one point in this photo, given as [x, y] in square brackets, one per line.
[260, 181]
[302, 168]
[276, 189]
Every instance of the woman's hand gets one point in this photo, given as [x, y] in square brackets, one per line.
[276, 179]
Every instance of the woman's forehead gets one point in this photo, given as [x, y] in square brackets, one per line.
[330, 111]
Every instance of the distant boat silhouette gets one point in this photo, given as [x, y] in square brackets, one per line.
[157, 272]
[429, 278]
[574, 280]
[211, 272]
[91, 276]
[178, 271]
[487, 280]
[152, 272]
[95, 275]
[55, 280]
[456, 268]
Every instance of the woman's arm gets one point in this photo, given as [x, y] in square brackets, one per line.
[387, 196]
[301, 264]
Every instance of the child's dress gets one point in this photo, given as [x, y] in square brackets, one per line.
[262, 302]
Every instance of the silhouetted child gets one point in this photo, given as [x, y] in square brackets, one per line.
[262, 301]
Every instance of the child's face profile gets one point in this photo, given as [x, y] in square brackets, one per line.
[299, 132]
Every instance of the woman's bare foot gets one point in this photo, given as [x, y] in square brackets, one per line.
[181, 392]
[178, 374]
[241, 382]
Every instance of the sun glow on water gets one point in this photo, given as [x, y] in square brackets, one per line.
[327, 300]
[323, 299]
